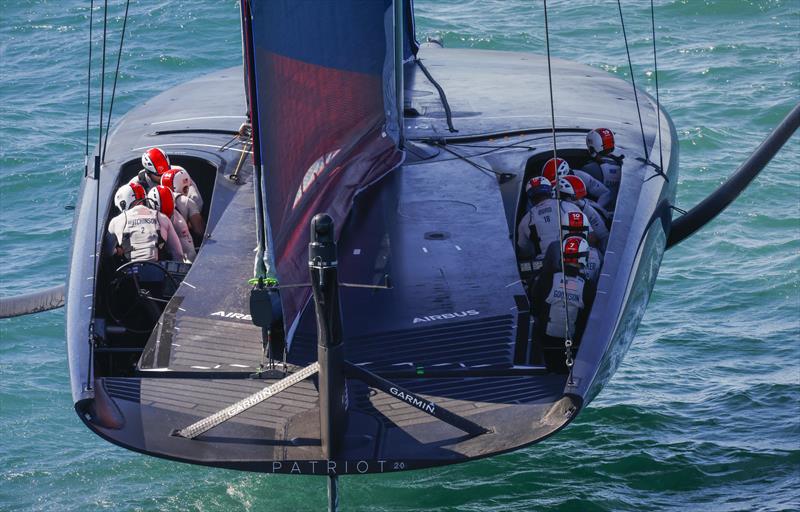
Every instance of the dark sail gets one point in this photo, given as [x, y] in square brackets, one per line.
[326, 118]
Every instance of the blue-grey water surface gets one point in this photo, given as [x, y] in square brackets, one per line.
[704, 414]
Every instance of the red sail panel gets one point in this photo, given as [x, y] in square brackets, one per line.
[324, 75]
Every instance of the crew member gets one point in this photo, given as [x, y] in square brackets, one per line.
[575, 224]
[138, 231]
[191, 189]
[573, 190]
[557, 168]
[604, 166]
[179, 181]
[540, 226]
[161, 199]
[554, 321]
[155, 163]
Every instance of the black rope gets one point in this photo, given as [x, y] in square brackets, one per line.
[442, 96]
[550, 82]
[116, 75]
[86, 175]
[655, 72]
[567, 335]
[103, 80]
[633, 80]
[88, 91]
[97, 205]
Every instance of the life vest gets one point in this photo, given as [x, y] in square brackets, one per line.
[545, 223]
[140, 234]
[558, 318]
[612, 173]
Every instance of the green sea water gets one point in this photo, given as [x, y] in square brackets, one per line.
[704, 414]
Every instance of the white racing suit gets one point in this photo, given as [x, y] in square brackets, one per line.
[140, 232]
[540, 227]
[597, 222]
[552, 262]
[607, 169]
[595, 189]
[182, 230]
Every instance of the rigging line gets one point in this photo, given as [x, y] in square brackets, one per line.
[86, 175]
[515, 145]
[88, 91]
[102, 82]
[484, 170]
[633, 80]
[96, 248]
[442, 96]
[655, 73]
[116, 75]
[494, 149]
[567, 336]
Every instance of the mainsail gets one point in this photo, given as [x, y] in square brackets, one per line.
[324, 114]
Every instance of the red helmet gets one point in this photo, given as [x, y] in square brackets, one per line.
[578, 187]
[600, 141]
[162, 199]
[176, 179]
[555, 167]
[127, 195]
[576, 251]
[155, 161]
[575, 224]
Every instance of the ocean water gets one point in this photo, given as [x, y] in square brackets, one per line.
[703, 414]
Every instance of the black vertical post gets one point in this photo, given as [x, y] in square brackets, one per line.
[330, 351]
[333, 493]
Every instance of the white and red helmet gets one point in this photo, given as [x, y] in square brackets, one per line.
[127, 195]
[162, 200]
[538, 186]
[155, 161]
[566, 189]
[555, 168]
[578, 186]
[575, 251]
[575, 224]
[177, 179]
[600, 141]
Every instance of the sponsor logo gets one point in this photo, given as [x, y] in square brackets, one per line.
[413, 400]
[235, 316]
[445, 316]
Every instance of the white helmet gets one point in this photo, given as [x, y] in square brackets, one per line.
[177, 179]
[575, 224]
[155, 161]
[600, 141]
[576, 251]
[127, 195]
[161, 200]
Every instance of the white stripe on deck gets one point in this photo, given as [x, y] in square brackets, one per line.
[197, 119]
